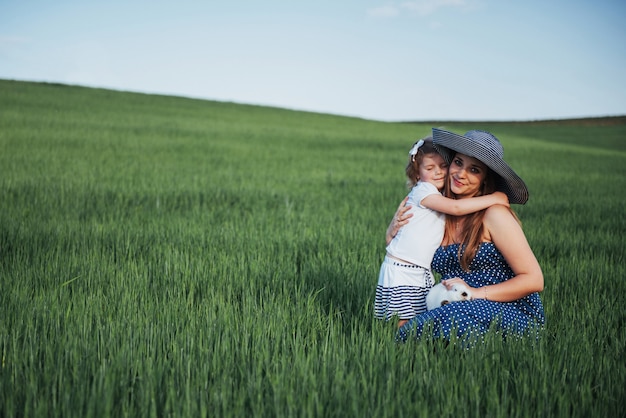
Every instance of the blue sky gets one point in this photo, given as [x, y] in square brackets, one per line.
[383, 60]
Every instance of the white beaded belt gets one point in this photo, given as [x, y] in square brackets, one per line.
[412, 266]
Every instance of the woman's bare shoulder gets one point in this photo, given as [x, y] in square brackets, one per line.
[500, 221]
[499, 213]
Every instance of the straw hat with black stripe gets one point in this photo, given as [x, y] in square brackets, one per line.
[486, 148]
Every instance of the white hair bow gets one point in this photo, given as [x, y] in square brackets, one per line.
[416, 147]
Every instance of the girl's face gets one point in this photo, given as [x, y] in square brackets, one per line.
[466, 176]
[433, 169]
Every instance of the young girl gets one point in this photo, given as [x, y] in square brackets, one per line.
[405, 276]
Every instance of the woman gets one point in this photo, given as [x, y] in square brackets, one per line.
[486, 250]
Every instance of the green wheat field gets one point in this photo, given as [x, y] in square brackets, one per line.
[163, 256]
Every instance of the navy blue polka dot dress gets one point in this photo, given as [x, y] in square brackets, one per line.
[470, 320]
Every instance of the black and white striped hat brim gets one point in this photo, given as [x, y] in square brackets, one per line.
[486, 148]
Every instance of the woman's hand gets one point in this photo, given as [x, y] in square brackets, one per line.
[400, 219]
[449, 283]
[476, 292]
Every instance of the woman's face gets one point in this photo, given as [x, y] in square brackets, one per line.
[466, 175]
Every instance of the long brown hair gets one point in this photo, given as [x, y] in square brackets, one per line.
[472, 232]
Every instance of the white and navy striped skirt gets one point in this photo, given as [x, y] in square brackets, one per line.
[401, 290]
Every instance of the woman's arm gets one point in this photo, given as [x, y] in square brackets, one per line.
[460, 207]
[400, 218]
[507, 235]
